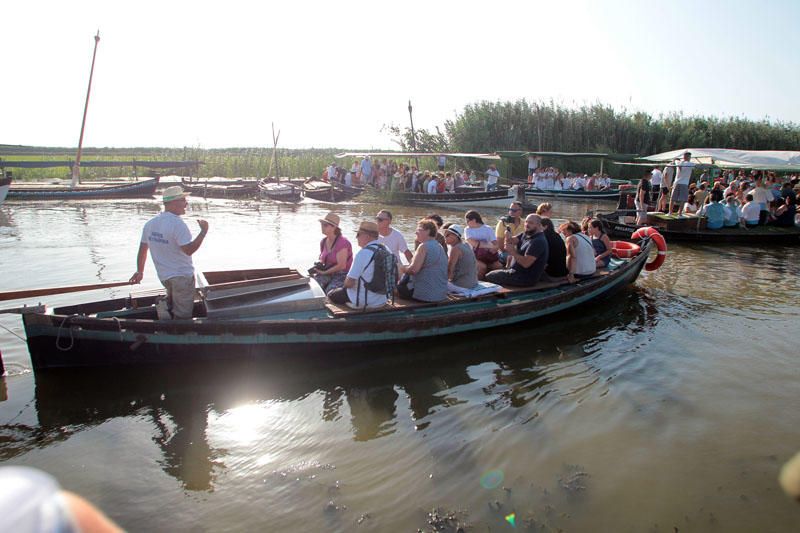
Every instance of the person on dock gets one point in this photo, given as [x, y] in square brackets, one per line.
[366, 171]
[642, 197]
[171, 246]
[355, 292]
[442, 161]
[667, 177]
[680, 191]
[656, 177]
[392, 238]
[510, 223]
[528, 252]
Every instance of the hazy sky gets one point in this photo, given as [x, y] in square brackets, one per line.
[330, 74]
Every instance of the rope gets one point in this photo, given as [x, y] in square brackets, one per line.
[8, 330]
[71, 338]
[119, 326]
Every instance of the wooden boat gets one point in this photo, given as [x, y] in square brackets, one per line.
[221, 189]
[472, 199]
[610, 194]
[259, 313]
[281, 192]
[83, 191]
[5, 184]
[620, 224]
[325, 192]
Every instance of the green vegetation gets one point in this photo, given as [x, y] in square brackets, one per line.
[480, 127]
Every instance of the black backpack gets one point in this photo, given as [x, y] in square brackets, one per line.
[384, 276]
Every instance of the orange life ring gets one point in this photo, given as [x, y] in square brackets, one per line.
[661, 244]
[624, 249]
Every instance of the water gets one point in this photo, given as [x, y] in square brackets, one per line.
[672, 406]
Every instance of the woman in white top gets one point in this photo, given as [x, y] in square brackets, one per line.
[690, 208]
[483, 240]
[580, 252]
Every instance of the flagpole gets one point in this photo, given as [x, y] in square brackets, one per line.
[76, 169]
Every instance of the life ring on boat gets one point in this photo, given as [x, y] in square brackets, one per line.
[624, 249]
[661, 244]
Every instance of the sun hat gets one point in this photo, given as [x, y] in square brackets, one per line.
[172, 193]
[456, 230]
[331, 218]
[367, 226]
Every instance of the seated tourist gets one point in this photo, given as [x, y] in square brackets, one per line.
[462, 267]
[714, 211]
[528, 252]
[484, 243]
[335, 255]
[425, 279]
[580, 252]
[545, 210]
[784, 215]
[732, 214]
[690, 207]
[512, 222]
[354, 292]
[556, 252]
[439, 237]
[601, 243]
[750, 212]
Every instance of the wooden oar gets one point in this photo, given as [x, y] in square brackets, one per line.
[31, 293]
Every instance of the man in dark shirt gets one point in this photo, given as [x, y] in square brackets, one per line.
[642, 198]
[556, 253]
[528, 252]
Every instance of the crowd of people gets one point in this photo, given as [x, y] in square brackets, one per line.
[734, 199]
[387, 174]
[553, 179]
[454, 257]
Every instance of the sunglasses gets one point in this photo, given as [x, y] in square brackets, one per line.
[514, 209]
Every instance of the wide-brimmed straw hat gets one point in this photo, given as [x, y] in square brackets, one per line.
[174, 192]
[368, 226]
[331, 218]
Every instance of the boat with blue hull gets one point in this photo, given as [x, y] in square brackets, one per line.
[264, 312]
[5, 184]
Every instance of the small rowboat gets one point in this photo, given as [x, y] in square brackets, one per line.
[277, 312]
[281, 192]
[221, 189]
[84, 191]
[323, 191]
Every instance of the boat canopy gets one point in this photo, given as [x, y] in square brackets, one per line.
[729, 158]
[515, 154]
[105, 164]
[415, 154]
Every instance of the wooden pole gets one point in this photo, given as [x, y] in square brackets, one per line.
[413, 133]
[76, 170]
[31, 293]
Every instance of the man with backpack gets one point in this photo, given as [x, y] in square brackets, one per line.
[373, 274]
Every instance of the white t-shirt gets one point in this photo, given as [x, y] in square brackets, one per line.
[761, 195]
[533, 163]
[359, 269]
[684, 172]
[396, 244]
[751, 211]
[164, 235]
[669, 173]
[432, 187]
[656, 177]
[442, 160]
[482, 233]
[332, 172]
[492, 176]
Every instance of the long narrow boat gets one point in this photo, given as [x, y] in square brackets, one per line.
[471, 199]
[258, 313]
[620, 224]
[84, 191]
[323, 191]
[221, 189]
[5, 184]
[611, 194]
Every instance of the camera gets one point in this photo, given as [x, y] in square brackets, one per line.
[507, 219]
[316, 268]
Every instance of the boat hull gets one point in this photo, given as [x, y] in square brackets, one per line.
[57, 341]
[573, 195]
[499, 198]
[5, 184]
[137, 189]
[762, 235]
[211, 189]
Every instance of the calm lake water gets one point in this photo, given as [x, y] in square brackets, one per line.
[669, 408]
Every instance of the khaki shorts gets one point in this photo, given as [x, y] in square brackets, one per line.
[180, 296]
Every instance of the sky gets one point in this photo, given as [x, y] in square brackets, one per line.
[332, 74]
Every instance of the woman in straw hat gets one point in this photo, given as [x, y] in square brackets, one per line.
[335, 255]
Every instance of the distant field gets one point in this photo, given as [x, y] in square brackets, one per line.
[228, 162]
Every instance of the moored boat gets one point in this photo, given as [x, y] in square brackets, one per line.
[571, 194]
[620, 224]
[323, 191]
[258, 313]
[84, 191]
[470, 199]
[224, 189]
[280, 192]
[5, 184]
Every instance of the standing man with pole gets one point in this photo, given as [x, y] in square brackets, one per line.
[170, 243]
